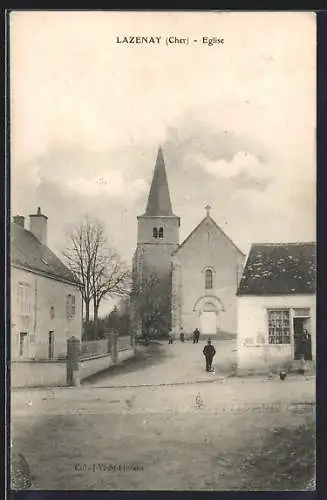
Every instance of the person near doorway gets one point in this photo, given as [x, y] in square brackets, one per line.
[196, 335]
[209, 351]
[307, 346]
[170, 337]
[182, 336]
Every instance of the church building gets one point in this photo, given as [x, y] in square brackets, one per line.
[202, 273]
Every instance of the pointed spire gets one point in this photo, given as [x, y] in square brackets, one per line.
[159, 197]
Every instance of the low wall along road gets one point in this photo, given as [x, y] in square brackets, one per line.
[94, 357]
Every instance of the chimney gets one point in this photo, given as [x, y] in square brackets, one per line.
[38, 226]
[20, 220]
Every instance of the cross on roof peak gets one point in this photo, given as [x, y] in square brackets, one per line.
[208, 208]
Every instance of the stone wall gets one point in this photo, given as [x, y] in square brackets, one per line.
[38, 374]
[54, 373]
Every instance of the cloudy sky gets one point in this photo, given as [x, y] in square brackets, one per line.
[236, 122]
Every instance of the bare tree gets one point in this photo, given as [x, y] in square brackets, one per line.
[78, 258]
[151, 297]
[96, 265]
[110, 276]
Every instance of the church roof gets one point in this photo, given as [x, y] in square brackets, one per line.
[159, 203]
[279, 269]
[29, 253]
[206, 219]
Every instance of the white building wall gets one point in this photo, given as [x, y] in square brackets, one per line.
[253, 350]
[207, 248]
[44, 293]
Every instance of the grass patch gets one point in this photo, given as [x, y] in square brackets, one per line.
[285, 461]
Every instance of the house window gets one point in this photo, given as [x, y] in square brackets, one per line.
[24, 298]
[70, 306]
[161, 232]
[279, 326]
[155, 232]
[22, 344]
[208, 279]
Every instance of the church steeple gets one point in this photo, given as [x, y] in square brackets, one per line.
[159, 203]
[157, 239]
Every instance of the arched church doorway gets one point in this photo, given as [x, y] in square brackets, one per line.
[207, 310]
[209, 319]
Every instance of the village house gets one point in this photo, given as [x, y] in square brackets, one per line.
[276, 306]
[46, 301]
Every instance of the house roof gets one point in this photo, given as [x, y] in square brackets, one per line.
[159, 203]
[279, 269]
[206, 219]
[28, 252]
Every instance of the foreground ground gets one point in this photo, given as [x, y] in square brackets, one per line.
[234, 434]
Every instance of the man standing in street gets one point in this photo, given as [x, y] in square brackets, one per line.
[196, 335]
[209, 351]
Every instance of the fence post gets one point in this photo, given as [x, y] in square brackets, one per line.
[114, 347]
[73, 359]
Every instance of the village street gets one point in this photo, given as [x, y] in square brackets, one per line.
[162, 422]
[178, 363]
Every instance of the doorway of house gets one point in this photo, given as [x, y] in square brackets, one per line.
[302, 339]
[51, 344]
[22, 344]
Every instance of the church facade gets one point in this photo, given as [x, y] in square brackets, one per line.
[201, 274]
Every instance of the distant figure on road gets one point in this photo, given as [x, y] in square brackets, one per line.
[196, 335]
[209, 351]
[182, 336]
[170, 337]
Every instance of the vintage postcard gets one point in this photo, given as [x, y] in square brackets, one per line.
[163, 250]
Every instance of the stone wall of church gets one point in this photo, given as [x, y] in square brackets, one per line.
[158, 257]
[152, 262]
[191, 317]
[207, 249]
[169, 225]
[137, 265]
[176, 298]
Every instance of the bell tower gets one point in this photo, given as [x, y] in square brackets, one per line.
[158, 227]
[157, 231]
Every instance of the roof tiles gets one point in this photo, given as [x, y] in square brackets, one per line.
[279, 269]
[28, 252]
